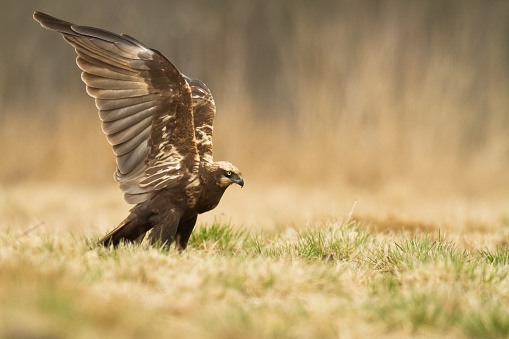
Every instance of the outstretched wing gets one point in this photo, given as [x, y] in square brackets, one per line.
[145, 105]
[204, 110]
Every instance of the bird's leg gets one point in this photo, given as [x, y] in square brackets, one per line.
[184, 231]
[166, 224]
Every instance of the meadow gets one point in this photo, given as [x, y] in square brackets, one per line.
[335, 280]
[373, 140]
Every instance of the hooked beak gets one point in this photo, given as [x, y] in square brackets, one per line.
[239, 181]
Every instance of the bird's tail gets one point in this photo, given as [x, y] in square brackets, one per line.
[134, 226]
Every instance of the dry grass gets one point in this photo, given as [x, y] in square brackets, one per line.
[88, 209]
[324, 282]
[288, 272]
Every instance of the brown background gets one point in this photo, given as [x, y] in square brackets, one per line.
[406, 98]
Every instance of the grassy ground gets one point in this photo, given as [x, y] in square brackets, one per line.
[336, 279]
[293, 262]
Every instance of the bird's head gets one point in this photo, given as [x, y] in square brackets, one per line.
[227, 174]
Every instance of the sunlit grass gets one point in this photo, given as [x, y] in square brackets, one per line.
[317, 281]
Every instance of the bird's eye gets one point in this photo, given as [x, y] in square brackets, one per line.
[229, 173]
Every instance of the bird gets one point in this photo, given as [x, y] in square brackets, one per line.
[159, 124]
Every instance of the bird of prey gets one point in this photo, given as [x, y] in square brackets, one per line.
[159, 123]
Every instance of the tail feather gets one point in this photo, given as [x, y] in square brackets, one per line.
[136, 224]
[128, 230]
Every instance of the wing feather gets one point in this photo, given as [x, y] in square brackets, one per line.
[145, 105]
[125, 111]
[112, 127]
[105, 72]
[101, 93]
[129, 161]
[130, 132]
[113, 48]
[96, 61]
[132, 143]
[204, 111]
[125, 102]
[92, 50]
[105, 83]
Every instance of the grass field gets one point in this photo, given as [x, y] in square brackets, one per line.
[336, 274]
[330, 280]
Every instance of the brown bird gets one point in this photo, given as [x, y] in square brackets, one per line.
[159, 123]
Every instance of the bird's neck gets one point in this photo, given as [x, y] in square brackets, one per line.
[211, 193]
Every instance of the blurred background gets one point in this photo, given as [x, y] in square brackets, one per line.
[398, 104]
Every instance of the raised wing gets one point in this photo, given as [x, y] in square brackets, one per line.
[144, 103]
[204, 110]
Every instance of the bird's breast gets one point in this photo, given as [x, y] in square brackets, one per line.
[208, 200]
